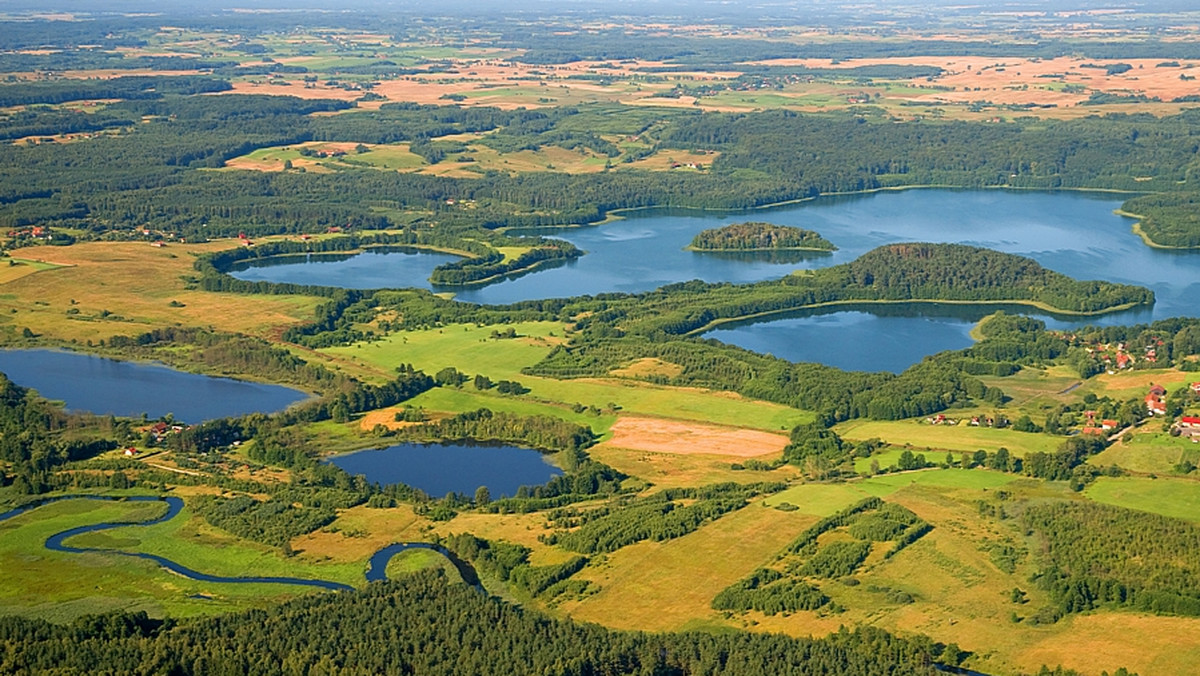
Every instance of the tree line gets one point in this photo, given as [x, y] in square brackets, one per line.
[421, 624]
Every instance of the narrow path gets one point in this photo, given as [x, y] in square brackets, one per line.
[165, 468]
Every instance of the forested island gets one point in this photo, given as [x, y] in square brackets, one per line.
[759, 236]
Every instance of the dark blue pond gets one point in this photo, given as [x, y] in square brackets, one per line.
[89, 383]
[383, 268]
[439, 469]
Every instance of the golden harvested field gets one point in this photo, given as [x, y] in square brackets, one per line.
[1131, 384]
[676, 437]
[135, 283]
[664, 586]
[1015, 80]
[671, 470]
[359, 532]
[1143, 644]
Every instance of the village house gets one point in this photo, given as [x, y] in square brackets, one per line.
[1195, 387]
[1109, 424]
[1155, 405]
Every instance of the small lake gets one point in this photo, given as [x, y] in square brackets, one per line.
[439, 469]
[106, 386]
[378, 268]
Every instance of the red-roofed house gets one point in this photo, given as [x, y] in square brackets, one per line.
[1190, 422]
[1110, 424]
[1196, 387]
[1122, 360]
[1158, 390]
[1093, 430]
[1155, 405]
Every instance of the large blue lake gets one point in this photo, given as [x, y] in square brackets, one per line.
[439, 469]
[1071, 232]
[105, 386]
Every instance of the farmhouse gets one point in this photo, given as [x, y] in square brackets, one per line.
[1190, 422]
[1195, 387]
[1155, 405]
[1109, 424]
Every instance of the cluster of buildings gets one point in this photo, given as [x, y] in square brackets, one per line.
[1188, 425]
[998, 421]
[1120, 357]
[1106, 426]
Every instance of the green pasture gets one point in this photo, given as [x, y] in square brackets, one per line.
[1153, 452]
[412, 560]
[467, 347]
[1178, 498]
[60, 586]
[935, 440]
[471, 350]
[973, 479]
[392, 157]
[467, 398]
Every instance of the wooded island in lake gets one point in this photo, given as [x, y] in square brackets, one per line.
[759, 236]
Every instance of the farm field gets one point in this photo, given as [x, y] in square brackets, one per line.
[936, 440]
[1178, 498]
[471, 350]
[95, 290]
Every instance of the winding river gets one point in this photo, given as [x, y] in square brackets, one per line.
[376, 570]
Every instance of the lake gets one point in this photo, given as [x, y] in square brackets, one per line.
[106, 386]
[379, 268]
[1075, 233]
[439, 469]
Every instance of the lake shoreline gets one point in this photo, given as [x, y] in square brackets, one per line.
[717, 323]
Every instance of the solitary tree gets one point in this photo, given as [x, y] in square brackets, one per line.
[482, 496]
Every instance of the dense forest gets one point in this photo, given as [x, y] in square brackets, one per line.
[150, 176]
[1142, 561]
[421, 624]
